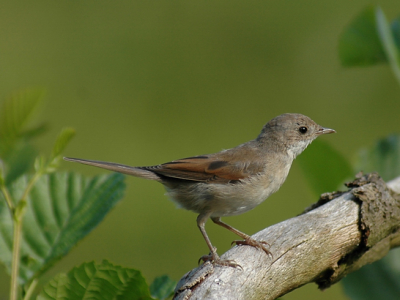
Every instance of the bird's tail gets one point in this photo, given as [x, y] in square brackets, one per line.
[134, 171]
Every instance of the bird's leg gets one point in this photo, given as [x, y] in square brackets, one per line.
[247, 239]
[213, 257]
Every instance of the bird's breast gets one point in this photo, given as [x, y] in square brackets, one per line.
[227, 199]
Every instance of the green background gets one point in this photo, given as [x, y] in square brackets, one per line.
[145, 82]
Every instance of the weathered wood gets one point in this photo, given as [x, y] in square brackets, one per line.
[335, 237]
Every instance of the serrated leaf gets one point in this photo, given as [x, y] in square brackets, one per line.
[359, 44]
[324, 167]
[62, 141]
[162, 287]
[383, 157]
[380, 280]
[103, 281]
[62, 208]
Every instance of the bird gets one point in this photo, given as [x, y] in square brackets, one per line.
[232, 181]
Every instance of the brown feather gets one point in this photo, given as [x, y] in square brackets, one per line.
[206, 169]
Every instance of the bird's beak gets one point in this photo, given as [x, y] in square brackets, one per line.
[324, 130]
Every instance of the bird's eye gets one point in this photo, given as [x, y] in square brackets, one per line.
[303, 129]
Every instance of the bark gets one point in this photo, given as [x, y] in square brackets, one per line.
[336, 236]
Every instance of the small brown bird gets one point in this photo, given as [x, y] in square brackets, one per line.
[232, 181]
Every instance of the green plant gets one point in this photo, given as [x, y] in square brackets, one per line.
[380, 279]
[368, 40]
[44, 213]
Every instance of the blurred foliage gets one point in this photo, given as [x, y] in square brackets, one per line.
[162, 287]
[187, 62]
[383, 157]
[324, 167]
[44, 214]
[15, 114]
[16, 132]
[62, 141]
[369, 40]
[359, 44]
[380, 280]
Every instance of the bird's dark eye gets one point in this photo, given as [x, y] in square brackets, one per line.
[303, 129]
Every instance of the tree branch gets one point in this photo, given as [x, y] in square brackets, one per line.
[336, 236]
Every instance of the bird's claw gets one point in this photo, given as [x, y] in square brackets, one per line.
[254, 243]
[214, 259]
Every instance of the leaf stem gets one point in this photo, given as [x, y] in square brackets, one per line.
[30, 185]
[16, 243]
[8, 198]
[15, 259]
[18, 213]
[31, 289]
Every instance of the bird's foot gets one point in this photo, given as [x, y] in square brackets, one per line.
[257, 244]
[214, 258]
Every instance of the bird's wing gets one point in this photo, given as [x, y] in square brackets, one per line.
[206, 168]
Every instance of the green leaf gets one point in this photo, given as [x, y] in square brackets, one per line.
[19, 161]
[383, 157]
[325, 168]
[2, 181]
[15, 114]
[380, 280]
[103, 281]
[370, 40]
[40, 163]
[162, 287]
[359, 44]
[396, 31]
[388, 42]
[62, 141]
[62, 208]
